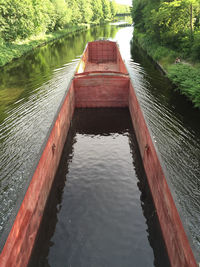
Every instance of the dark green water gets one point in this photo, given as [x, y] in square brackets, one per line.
[30, 93]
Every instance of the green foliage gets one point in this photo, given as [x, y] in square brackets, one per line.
[25, 24]
[137, 14]
[188, 80]
[43, 11]
[170, 23]
[171, 16]
[62, 14]
[10, 51]
[195, 49]
[122, 9]
[97, 11]
[20, 19]
[74, 7]
[16, 19]
[106, 10]
[168, 29]
[113, 8]
[85, 10]
[164, 55]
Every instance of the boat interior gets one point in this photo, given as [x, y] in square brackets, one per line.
[101, 56]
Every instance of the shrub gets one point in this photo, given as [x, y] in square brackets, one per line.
[188, 80]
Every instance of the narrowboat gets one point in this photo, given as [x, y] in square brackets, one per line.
[101, 80]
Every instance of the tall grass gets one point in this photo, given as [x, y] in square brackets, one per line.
[185, 76]
[187, 79]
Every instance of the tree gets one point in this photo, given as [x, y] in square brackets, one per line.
[106, 9]
[16, 19]
[97, 11]
[19, 19]
[62, 14]
[43, 16]
[85, 10]
[175, 18]
[75, 11]
[171, 23]
[137, 15]
[113, 8]
[194, 7]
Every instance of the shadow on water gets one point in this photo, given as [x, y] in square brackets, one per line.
[154, 231]
[99, 122]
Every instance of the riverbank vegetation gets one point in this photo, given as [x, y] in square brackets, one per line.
[29, 23]
[170, 32]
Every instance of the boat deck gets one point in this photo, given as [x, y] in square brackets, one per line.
[107, 66]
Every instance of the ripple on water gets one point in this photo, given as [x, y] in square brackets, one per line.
[23, 132]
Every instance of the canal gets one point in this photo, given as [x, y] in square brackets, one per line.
[31, 89]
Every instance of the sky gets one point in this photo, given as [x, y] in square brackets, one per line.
[124, 2]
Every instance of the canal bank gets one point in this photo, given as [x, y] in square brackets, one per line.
[183, 75]
[11, 51]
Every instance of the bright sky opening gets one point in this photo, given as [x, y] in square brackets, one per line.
[124, 2]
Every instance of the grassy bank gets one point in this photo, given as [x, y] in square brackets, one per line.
[10, 51]
[185, 75]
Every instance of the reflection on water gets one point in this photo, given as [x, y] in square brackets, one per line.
[94, 215]
[31, 90]
[30, 72]
[174, 123]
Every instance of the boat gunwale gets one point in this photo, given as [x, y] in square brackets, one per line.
[101, 73]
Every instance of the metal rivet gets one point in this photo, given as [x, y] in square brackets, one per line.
[147, 147]
[53, 148]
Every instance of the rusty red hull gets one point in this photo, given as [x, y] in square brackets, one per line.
[101, 80]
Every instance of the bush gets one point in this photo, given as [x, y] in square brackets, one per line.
[159, 53]
[195, 50]
[188, 80]
[16, 19]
